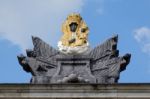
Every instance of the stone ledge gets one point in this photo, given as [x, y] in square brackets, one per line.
[75, 91]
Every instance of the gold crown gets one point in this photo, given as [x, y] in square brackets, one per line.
[74, 17]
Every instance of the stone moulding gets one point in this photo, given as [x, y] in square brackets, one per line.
[75, 91]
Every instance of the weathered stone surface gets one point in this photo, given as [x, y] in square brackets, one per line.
[106, 65]
[48, 65]
[76, 66]
[75, 91]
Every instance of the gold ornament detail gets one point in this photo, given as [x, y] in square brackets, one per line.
[75, 31]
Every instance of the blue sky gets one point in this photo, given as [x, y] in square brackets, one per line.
[130, 19]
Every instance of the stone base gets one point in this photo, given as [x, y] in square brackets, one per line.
[75, 91]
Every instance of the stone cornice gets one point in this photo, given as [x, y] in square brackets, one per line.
[81, 91]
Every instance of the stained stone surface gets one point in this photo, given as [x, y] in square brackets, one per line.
[75, 91]
[101, 65]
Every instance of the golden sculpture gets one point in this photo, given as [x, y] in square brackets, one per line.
[75, 31]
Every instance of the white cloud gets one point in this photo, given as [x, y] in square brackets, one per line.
[19, 19]
[142, 36]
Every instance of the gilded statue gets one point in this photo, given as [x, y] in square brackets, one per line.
[75, 34]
